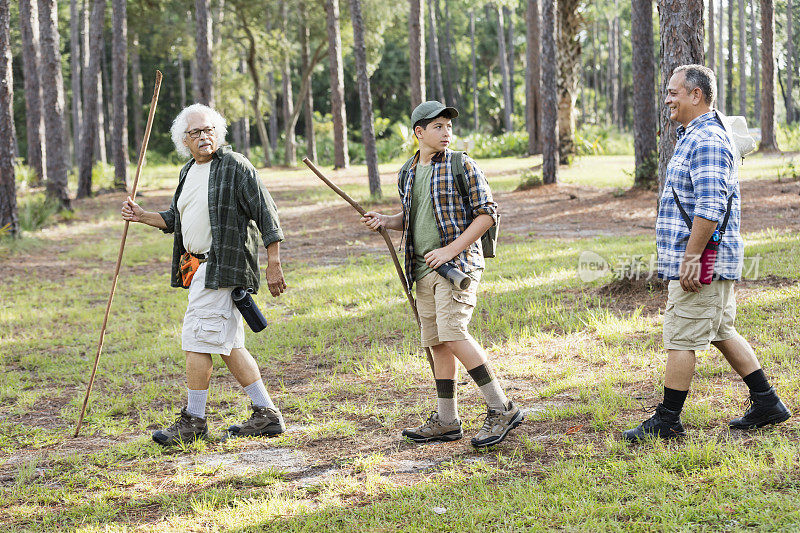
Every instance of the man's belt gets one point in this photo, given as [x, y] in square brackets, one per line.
[200, 257]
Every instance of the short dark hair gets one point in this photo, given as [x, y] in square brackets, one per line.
[702, 77]
[425, 121]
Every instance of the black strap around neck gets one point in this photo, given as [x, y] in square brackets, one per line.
[689, 220]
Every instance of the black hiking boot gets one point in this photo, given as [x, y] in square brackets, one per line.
[264, 422]
[765, 408]
[664, 424]
[187, 428]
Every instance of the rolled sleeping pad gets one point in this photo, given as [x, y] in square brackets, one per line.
[250, 311]
[454, 275]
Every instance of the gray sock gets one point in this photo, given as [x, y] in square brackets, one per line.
[259, 395]
[446, 400]
[489, 387]
[196, 405]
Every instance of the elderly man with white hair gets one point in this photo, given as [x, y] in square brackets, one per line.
[219, 208]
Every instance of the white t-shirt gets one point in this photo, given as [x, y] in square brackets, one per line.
[193, 207]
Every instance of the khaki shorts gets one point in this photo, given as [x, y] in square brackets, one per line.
[212, 323]
[693, 320]
[444, 310]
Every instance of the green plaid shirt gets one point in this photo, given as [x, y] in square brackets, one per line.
[239, 207]
[453, 213]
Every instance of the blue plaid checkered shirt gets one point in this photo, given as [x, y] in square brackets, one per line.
[450, 210]
[703, 174]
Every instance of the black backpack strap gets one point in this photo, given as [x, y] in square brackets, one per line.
[689, 221]
[457, 163]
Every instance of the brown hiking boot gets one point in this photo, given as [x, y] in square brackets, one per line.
[497, 425]
[264, 422]
[434, 429]
[186, 428]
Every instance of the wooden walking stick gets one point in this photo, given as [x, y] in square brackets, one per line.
[139, 166]
[389, 245]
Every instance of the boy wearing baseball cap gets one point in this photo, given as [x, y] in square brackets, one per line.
[443, 226]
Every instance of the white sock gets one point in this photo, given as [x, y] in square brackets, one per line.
[259, 395]
[196, 406]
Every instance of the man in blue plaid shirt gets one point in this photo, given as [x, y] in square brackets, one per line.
[702, 180]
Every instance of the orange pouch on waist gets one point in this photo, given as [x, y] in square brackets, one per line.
[187, 267]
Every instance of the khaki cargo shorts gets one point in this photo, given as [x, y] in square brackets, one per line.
[693, 320]
[444, 310]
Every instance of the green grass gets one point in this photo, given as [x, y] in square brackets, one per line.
[341, 358]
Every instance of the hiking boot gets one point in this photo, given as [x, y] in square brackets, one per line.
[497, 425]
[664, 424]
[264, 422]
[186, 428]
[434, 429]
[765, 408]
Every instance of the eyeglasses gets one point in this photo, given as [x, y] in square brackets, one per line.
[195, 134]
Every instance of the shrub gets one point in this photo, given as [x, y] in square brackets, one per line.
[35, 211]
[529, 180]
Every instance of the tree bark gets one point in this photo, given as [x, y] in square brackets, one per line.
[250, 60]
[549, 94]
[721, 96]
[644, 118]
[743, 61]
[502, 59]
[436, 64]
[9, 221]
[533, 78]
[613, 77]
[272, 94]
[416, 49]
[341, 156]
[790, 111]
[711, 53]
[595, 70]
[53, 103]
[31, 60]
[91, 111]
[290, 149]
[768, 141]
[729, 63]
[181, 80]
[136, 85]
[75, 74]
[205, 82]
[365, 98]
[308, 101]
[450, 84]
[508, 18]
[620, 101]
[474, 85]
[105, 117]
[120, 100]
[569, 62]
[681, 43]
[755, 63]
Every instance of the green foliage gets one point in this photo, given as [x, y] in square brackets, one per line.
[788, 137]
[36, 211]
[485, 146]
[789, 171]
[529, 180]
[593, 139]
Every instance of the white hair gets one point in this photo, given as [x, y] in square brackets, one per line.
[178, 129]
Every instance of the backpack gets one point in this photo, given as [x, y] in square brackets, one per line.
[489, 239]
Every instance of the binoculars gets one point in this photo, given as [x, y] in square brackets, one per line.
[454, 275]
[250, 311]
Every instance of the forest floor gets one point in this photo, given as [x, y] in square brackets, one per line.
[341, 359]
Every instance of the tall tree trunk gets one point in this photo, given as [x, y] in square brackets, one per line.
[569, 63]
[508, 18]
[365, 97]
[436, 64]
[416, 45]
[218, 17]
[620, 103]
[104, 95]
[790, 112]
[533, 78]
[341, 156]
[272, 94]
[613, 77]
[90, 116]
[681, 43]
[75, 74]
[9, 221]
[474, 84]
[205, 82]
[502, 59]
[549, 93]
[595, 70]
[755, 63]
[711, 52]
[729, 63]
[120, 84]
[31, 60]
[768, 141]
[53, 103]
[743, 61]
[290, 149]
[644, 118]
[250, 60]
[136, 86]
[308, 101]
[445, 38]
[181, 80]
[721, 96]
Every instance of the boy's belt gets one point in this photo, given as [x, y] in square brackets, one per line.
[200, 257]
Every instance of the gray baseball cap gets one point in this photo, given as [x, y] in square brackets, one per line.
[432, 109]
